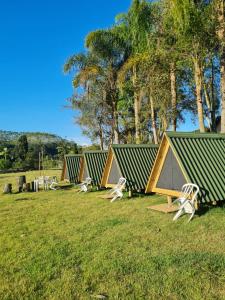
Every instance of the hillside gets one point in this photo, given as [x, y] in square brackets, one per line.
[33, 137]
[20, 154]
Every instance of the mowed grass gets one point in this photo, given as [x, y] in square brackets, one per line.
[65, 245]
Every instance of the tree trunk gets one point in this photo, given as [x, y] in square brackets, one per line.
[173, 95]
[113, 100]
[115, 130]
[213, 104]
[198, 84]
[210, 100]
[101, 138]
[136, 107]
[222, 74]
[209, 106]
[221, 37]
[154, 127]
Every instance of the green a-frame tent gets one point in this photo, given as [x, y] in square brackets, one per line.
[190, 158]
[93, 166]
[72, 166]
[133, 162]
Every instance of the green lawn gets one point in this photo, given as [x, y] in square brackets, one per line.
[64, 245]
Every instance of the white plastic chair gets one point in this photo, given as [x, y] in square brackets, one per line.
[41, 181]
[46, 182]
[53, 183]
[117, 190]
[84, 185]
[187, 200]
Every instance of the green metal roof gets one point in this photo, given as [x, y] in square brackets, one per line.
[73, 165]
[195, 135]
[202, 158]
[135, 163]
[95, 163]
[135, 146]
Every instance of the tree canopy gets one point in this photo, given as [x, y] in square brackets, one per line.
[142, 75]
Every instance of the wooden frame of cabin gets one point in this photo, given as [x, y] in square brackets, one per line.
[106, 172]
[157, 169]
[190, 157]
[81, 170]
[134, 162]
[63, 175]
[65, 170]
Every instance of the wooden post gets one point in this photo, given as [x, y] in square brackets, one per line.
[130, 193]
[26, 187]
[39, 163]
[42, 160]
[32, 186]
[169, 200]
[196, 205]
[21, 181]
[7, 188]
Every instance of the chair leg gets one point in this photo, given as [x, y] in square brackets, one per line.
[178, 214]
[118, 195]
[52, 187]
[114, 198]
[192, 215]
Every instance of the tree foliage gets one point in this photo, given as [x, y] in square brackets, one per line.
[140, 77]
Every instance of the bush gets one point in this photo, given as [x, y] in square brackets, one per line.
[5, 164]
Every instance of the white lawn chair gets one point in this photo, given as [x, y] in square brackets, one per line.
[84, 185]
[41, 181]
[117, 190]
[53, 182]
[46, 182]
[187, 200]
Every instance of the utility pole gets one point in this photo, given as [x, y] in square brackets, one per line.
[39, 163]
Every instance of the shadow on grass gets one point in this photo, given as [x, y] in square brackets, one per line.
[24, 199]
[65, 187]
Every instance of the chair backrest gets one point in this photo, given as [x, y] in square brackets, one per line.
[121, 183]
[43, 179]
[189, 191]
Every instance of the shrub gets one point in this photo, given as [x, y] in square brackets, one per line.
[5, 164]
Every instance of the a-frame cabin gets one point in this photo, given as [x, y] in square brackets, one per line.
[94, 163]
[133, 162]
[72, 166]
[190, 158]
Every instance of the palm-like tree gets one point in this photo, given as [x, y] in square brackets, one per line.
[112, 51]
[191, 21]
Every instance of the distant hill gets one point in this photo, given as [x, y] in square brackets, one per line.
[33, 137]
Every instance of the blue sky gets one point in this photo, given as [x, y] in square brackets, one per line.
[36, 37]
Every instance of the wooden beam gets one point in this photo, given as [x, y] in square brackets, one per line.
[166, 192]
[63, 170]
[158, 164]
[81, 174]
[169, 200]
[106, 169]
[110, 166]
[110, 185]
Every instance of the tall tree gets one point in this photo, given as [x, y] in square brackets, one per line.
[137, 26]
[112, 51]
[22, 147]
[220, 10]
[192, 30]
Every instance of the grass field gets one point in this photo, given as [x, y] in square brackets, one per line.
[64, 245]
